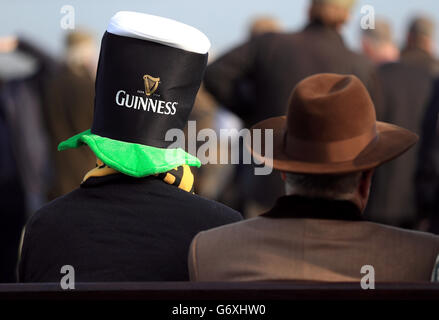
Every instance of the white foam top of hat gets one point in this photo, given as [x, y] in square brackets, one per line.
[158, 29]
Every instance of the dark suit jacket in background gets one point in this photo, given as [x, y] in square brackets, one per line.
[406, 87]
[427, 177]
[118, 228]
[255, 81]
[274, 63]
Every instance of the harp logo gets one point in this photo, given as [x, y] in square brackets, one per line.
[151, 84]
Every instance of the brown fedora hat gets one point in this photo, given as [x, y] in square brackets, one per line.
[331, 128]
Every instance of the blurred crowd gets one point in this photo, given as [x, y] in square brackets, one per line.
[44, 100]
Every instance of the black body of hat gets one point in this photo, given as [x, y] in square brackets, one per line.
[143, 89]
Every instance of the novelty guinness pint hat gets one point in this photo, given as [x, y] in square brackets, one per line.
[150, 69]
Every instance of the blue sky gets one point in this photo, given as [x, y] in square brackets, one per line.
[225, 22]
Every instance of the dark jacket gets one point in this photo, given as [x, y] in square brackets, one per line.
[406, 88]
[69, 110]
[12, 198]
[420, 58]
[255, 81]
[24, 159]
[23, 99]
[427, 177]
[118, 228]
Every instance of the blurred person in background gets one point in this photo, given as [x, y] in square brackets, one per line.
[213, 180]
[255, 79]
[24, 160]
[427, 177]
[419, 47]
[378, 44]
[405, 88]
[134, 214]
[69, 110]
[220, 181]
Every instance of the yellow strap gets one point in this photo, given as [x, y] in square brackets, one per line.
[181, 175]
[100, 170]
[187, 180]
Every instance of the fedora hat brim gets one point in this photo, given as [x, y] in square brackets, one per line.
[392, 141]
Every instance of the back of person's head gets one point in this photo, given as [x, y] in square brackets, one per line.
[378, 44]
[264, 24]
[354, 187]
[332, 13]
[420, 33]
[81, 51]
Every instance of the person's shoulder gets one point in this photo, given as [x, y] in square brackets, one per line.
[55, 211]
[361, 59]
[209, 207]
[390, 66]
[407, 237]
[391, 71]
[403, 69]
[240, 229]
[406, 232]
[206, 244]
[275, 39]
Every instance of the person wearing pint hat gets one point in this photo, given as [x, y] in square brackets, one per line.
[427, 175]
[134, 215]
[255, 79]
[326, 148]
[419, 46]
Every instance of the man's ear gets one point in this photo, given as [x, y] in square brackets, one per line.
[365, 183]
[283, 175]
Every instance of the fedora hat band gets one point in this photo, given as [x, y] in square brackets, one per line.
[332, 151]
